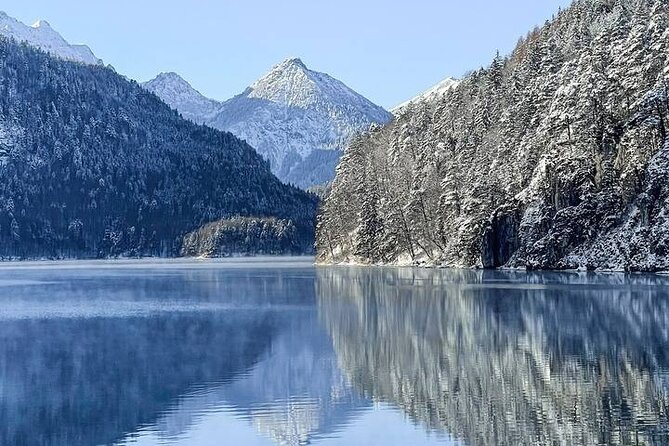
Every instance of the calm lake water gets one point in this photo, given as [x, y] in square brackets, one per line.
[274, 352]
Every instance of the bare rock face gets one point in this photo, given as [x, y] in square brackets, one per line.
[500, 239]
[553, 157]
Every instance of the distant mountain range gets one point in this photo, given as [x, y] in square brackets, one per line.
[298, 119]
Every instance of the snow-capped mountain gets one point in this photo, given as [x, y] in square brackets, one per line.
[42, 36]
[298, 119]
[294, 115]
[180, 95]
[433, 93]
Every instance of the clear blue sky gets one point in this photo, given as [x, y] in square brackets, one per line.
[386, 50]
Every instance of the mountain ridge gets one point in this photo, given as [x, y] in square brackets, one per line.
[42, 35]
[432, 94]
[298, 119]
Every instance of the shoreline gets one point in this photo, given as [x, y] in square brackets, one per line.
[501, 269]
[192, 262]
[274, 261]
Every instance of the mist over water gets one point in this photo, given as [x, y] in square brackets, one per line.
[267, 352]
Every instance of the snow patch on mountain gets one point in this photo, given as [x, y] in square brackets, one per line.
[181, 96]
[44, 37]
[430, 95]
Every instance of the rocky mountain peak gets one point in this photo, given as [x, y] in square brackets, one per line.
[42, 35]
[170, 78]
[298, 119]
[180, 95]
[293, 62]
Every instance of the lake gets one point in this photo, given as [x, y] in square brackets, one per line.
[279, 352]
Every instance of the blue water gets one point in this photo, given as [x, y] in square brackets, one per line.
[278, 352]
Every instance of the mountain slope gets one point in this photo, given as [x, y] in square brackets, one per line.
[181, 96]
[298, 119]
[42, 36]
[94, 165]
[554, 157]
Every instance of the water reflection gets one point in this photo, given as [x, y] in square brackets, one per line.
[297, 393]
[85, 382]
[507, 358]
[250, 353]
[103, 356]
[294, 394]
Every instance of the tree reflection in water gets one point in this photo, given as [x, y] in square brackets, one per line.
[504, 358]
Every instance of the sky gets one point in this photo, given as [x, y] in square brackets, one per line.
[387, 50]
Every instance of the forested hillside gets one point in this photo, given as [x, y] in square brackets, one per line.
[93, 165]
[555, 156]
[243, 236]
